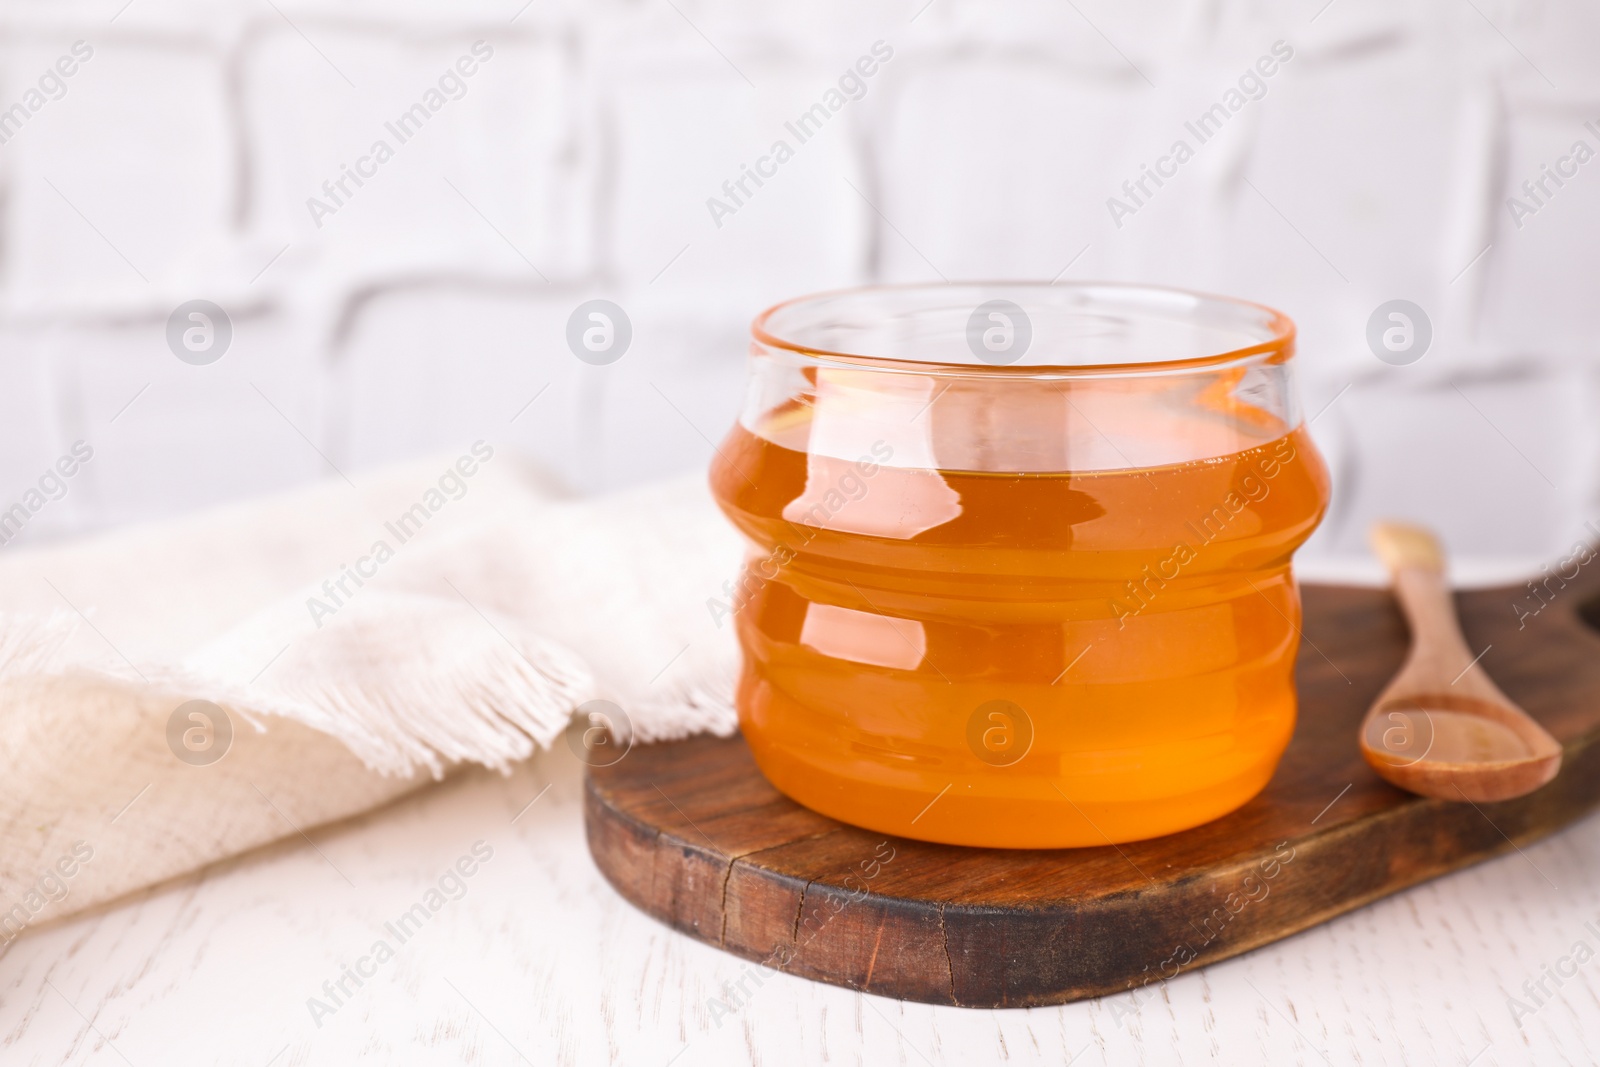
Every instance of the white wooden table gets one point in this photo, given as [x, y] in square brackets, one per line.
[540, 962]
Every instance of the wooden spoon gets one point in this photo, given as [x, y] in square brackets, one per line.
[1442, 728]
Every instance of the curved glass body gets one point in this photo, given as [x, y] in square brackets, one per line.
[1020, 557]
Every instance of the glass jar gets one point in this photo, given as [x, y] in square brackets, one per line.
[1020, 557]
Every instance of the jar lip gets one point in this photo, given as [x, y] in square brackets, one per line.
[1278, 347]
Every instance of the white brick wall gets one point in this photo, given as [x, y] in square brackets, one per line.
[432, 305]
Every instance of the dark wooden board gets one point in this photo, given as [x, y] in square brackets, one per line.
[691, 833]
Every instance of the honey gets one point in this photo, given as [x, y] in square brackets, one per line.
[1081, 649]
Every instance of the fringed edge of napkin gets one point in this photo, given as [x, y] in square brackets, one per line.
[492, 703]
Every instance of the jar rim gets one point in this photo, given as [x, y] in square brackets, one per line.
[1277, 345]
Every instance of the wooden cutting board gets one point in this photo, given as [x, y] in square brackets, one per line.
[691, 833]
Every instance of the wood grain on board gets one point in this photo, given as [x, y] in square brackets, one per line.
[691, 833]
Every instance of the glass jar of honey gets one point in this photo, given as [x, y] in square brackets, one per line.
[1019, 571]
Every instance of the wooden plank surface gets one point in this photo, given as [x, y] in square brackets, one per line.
[556, 967]
[691, 833]
[542, 962]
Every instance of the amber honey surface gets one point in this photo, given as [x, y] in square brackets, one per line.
[1018, 659]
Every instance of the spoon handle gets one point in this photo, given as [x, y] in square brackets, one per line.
[1416, 563]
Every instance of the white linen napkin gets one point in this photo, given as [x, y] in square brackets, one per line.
[361, 640]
